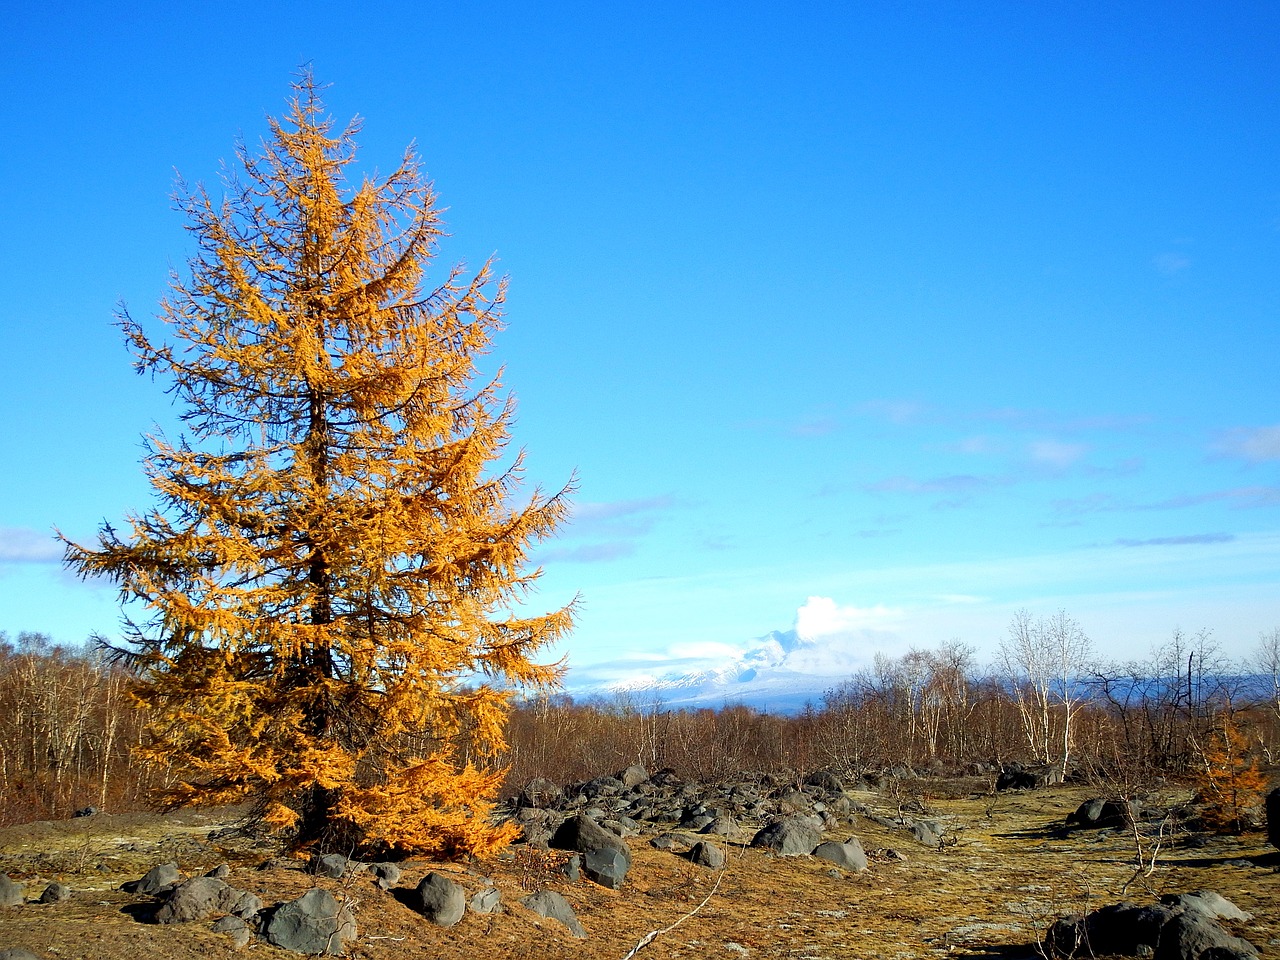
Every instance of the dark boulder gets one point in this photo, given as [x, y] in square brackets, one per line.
[1272, 805]
[1100, 812]
[826, 781]
[1124, 929]
[1182, 928]
[605, 857]
[540, 793]
[1015, 777]
[332, 865]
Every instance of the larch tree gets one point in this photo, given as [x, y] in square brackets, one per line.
[326, 609]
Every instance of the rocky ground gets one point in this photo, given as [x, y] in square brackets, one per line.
[1006, 868]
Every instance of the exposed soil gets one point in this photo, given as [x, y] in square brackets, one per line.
[1008, 870]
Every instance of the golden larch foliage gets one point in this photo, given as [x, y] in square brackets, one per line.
[334, 576]
[1228, 780]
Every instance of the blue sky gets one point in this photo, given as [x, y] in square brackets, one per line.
[929, 311]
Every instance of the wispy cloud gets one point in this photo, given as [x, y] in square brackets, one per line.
[1055, 454]
[1185, 540]
[1243, 498]
[1253, 444]
[974, 446]
[588, 552]
[619, 517]
[952, 484]
[1170, 263]
[24, 545]
[895, 411]
[611, 530]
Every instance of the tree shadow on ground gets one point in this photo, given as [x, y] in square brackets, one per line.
[1266, 860]
[1005, 951]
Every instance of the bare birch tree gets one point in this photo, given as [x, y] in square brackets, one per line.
[1043, 660]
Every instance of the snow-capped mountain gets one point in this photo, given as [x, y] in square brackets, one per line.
[780, 672]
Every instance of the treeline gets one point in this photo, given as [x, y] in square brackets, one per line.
[68, 725]
[1046, 701]
[67, 732]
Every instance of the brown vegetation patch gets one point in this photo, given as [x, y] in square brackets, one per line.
[1010, 870]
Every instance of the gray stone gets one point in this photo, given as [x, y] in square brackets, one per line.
[848, 855]
[719, 827]
[385, 875]
[55, 893]
[707, 854]
[17, 953]
[539, 793]
[1208, 902]
[195, 900]
[156, 880]
[246, 905]
[440, 900]
[488, 900]
[236, 929]
[790, 837]
[220, 872]
[552, 906]
[607, 866]
[601, 787]
[927, 832]
[11, 892]
[573, 867]
[332, 865]
[633, 776]
[1192, 935]
[536, 825]
[315, 923]
[826, 781]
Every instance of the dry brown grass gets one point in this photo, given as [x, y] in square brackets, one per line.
[991, 893]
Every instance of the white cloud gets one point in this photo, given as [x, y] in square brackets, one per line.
[1254, 444]
[703, 650]
[822, 617]
[24, 545]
